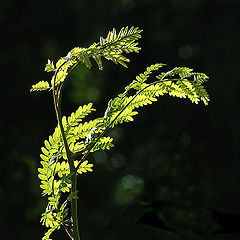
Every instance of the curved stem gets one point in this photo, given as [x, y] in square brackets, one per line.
[57, 94]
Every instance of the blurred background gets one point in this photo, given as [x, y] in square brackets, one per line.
[171, 165]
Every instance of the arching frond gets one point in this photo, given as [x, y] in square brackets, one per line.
[188, 84]
[112, 48]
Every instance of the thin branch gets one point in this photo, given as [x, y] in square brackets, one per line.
[57, 100]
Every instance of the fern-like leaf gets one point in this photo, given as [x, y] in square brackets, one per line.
[187, 85]
[49, 66]
[113, 46]
[40, 86]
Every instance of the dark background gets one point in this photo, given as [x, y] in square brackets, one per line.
[180, 156]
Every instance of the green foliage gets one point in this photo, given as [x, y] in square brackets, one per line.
[65, 153]
[111, 48]
[40, 86]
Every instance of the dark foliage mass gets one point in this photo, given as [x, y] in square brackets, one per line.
[174, 174]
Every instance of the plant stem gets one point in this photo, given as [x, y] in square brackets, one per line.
[57, 94]
[74, 209]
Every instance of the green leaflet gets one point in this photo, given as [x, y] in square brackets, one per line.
[72, 196]
[113, 47]
[54, 220]
[49, 66]
[189, 84]
[42, 85]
